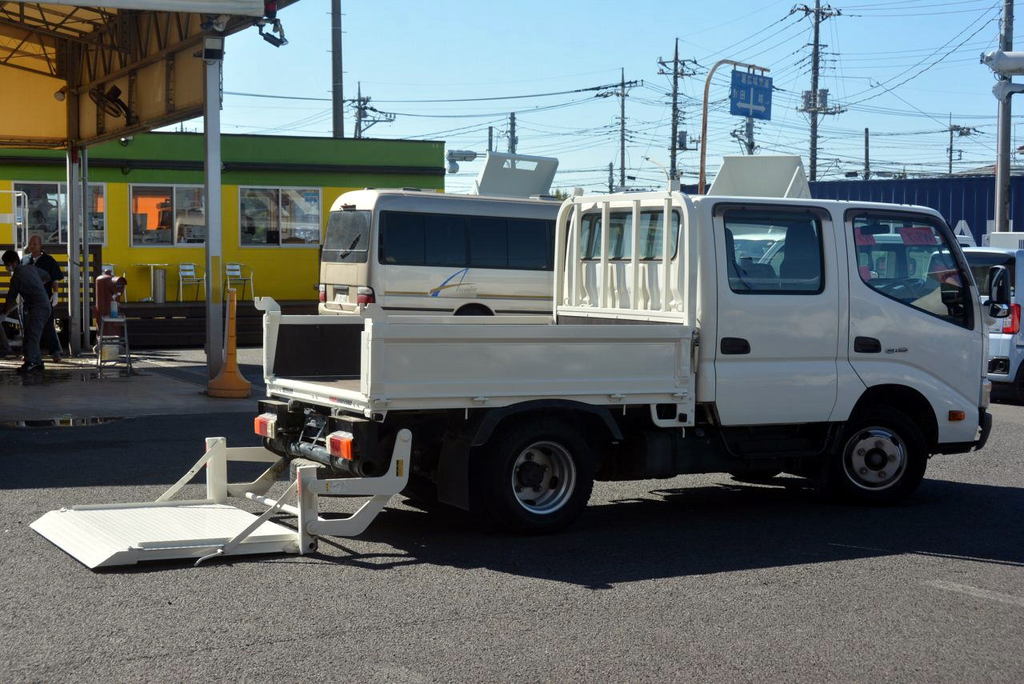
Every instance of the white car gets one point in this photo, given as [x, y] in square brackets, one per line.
[1005, 342]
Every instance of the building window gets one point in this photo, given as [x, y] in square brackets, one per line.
[45, 213]
[279, 216]
[189, 215]
[167, 215]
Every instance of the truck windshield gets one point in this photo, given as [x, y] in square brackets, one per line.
[981, 262]
[348, 237]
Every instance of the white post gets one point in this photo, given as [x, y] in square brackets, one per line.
[213, 57]
[217, 470]
[309, 507]
[85, 206]
[79, 328]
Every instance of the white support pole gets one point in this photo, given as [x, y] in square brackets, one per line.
[85, 205]
[217, 470]
[213, 58]
[79, 328]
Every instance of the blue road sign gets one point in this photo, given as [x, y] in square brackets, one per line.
[751, 95]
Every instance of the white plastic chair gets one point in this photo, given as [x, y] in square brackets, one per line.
[187, 276]
[233, 273]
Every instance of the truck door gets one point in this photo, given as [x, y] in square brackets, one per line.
[778, 314]
[913, 315]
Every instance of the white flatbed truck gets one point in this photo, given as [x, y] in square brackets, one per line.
[842, 357]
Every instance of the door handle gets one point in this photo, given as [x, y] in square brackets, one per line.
[866, 345]
[734, 345]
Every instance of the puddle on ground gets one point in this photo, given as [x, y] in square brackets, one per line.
[63, 376]
[66, 421]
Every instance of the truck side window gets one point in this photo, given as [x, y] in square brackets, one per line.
[773, 252]
[909, 259]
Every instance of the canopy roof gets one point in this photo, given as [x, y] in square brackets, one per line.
[82, 73]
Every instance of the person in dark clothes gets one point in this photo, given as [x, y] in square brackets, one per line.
[29, 282]
[40, 259]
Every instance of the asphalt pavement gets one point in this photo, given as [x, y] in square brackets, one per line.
[692, 578]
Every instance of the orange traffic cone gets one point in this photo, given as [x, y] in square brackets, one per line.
[229, 383]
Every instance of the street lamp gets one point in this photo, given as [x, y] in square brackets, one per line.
[673, 183]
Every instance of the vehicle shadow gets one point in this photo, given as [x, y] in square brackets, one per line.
[709, 529]
[151, 450]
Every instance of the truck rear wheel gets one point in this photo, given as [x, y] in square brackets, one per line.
[881, 458]
[533, 476]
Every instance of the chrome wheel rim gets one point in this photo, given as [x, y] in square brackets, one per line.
[875, 458]
[543, 477]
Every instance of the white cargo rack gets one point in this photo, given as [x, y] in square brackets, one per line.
[124, 534]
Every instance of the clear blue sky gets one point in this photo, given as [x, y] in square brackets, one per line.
[924, 53]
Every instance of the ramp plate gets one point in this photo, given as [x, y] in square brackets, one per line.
[124, 534]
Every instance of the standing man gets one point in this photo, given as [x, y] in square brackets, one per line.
[29, 282]
[40, 259]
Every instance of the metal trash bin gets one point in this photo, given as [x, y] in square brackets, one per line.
[159, 285]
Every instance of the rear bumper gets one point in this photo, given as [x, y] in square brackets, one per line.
[984, 429]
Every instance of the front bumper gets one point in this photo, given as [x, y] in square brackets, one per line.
[984, 429]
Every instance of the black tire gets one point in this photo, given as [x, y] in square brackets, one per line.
[544, 497]
[420, 491]
[474, 310]
[881, 458]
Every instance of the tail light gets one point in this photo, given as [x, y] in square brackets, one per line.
[265, 425]
[364, 295]
[322, 293]
[1011, 325]
[339, 444]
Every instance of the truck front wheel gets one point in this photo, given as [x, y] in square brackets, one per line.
[881, 458]
[532, 476]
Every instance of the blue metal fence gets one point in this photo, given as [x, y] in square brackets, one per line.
[968, 199]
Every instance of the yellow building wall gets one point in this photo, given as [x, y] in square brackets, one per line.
[283, 272]
[6, 213]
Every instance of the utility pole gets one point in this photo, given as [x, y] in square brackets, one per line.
[512, 139]
[490, 138]
[867, 156]
[746, 136]
[815, 102]
[366, 115]
[1002, 193]
[337, 73]
[678, 70]
[360, 110]
[622, 128]
[611, 177]
[961, 131]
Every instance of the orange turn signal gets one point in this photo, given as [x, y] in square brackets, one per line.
[955, 416]
[265, 425]
[339, 444]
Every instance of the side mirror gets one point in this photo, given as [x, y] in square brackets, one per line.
[998, 292]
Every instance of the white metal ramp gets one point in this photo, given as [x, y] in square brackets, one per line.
[100, 536]
[107, 535]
